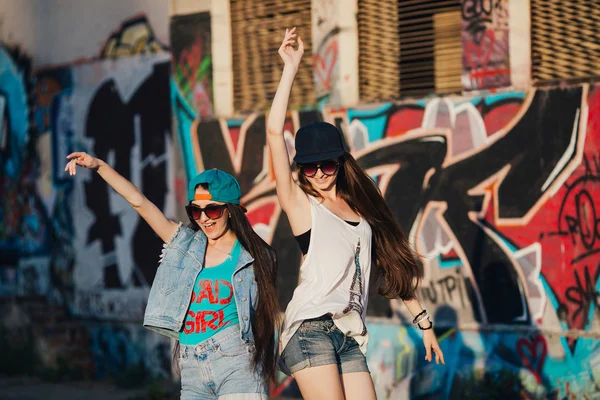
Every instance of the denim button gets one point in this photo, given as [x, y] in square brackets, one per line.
[244, 299]
[245, 318]
[239, 279]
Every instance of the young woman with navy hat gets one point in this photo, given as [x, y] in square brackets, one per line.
[343, 226]
[214, 291]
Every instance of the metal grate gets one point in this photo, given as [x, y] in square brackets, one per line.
[257, 29]
[565, 40]
[409, 48]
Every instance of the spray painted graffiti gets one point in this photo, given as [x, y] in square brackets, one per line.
[116, 348]
[325, 32]
[495, 207]
[24, 224]
[135, 36]
[485, 44]
[192, 62]
[72, 245]
[108, 113]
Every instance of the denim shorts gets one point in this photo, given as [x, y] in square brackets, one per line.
[220, 368]
[319, 342]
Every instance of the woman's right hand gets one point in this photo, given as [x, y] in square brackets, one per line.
[290, 56]
[83, 160]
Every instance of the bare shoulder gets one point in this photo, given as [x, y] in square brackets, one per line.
[299, 213]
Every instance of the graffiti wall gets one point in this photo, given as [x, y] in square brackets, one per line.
[499, 195]
[192, 61]
[72, 252]
[486, 63]
[325, 35]
[24, 226]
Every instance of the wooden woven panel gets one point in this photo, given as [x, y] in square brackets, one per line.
[378, 50]
[565, 39]
[409, 48]
[447, 48]
[257, 29]
[430, 46]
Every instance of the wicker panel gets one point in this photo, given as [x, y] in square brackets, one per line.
[430, 47]
[257, 29]
[378, 50]
[409, 48]
[447, 49]
[565, 40]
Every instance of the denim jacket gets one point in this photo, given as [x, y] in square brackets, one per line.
[171, 292]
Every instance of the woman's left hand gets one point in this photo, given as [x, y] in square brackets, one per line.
[286, 51]
[431, 343]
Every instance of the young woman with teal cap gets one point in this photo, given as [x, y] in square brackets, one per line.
[214, 291]
[343, 226]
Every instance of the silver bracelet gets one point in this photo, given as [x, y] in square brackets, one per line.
[423, 318]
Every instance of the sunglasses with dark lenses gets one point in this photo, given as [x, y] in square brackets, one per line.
[328, 168]
[212, 211]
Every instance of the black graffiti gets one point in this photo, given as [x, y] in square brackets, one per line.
[478, 14]
[584, 294]
[531, 157]
[477, 9]
[112, 124]
[525, 148]
[583, 226]
[449, 289]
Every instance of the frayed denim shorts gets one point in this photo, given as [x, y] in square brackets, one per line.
[220, 368]
[319, 342]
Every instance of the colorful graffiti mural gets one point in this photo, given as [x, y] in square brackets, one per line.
[192, 61]
[24, 223]
[70, 243]
[498, 193]
[486, 63]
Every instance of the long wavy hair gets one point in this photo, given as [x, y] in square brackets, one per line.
[398, 270]
[266, 317]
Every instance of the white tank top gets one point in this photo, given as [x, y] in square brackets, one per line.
[334, 277]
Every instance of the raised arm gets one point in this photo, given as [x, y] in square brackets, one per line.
[288, 193]
[164, 227]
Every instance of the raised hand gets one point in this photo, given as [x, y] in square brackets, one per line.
[289, 55]
[83, 160]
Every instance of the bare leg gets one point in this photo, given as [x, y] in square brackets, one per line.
[322, 382]
[358, 386]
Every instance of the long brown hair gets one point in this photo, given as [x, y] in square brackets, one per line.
[396, 261]
[265, 318]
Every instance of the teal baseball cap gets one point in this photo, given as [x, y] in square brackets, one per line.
[222, 187]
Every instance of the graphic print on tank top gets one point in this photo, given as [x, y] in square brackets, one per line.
[356, 289]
